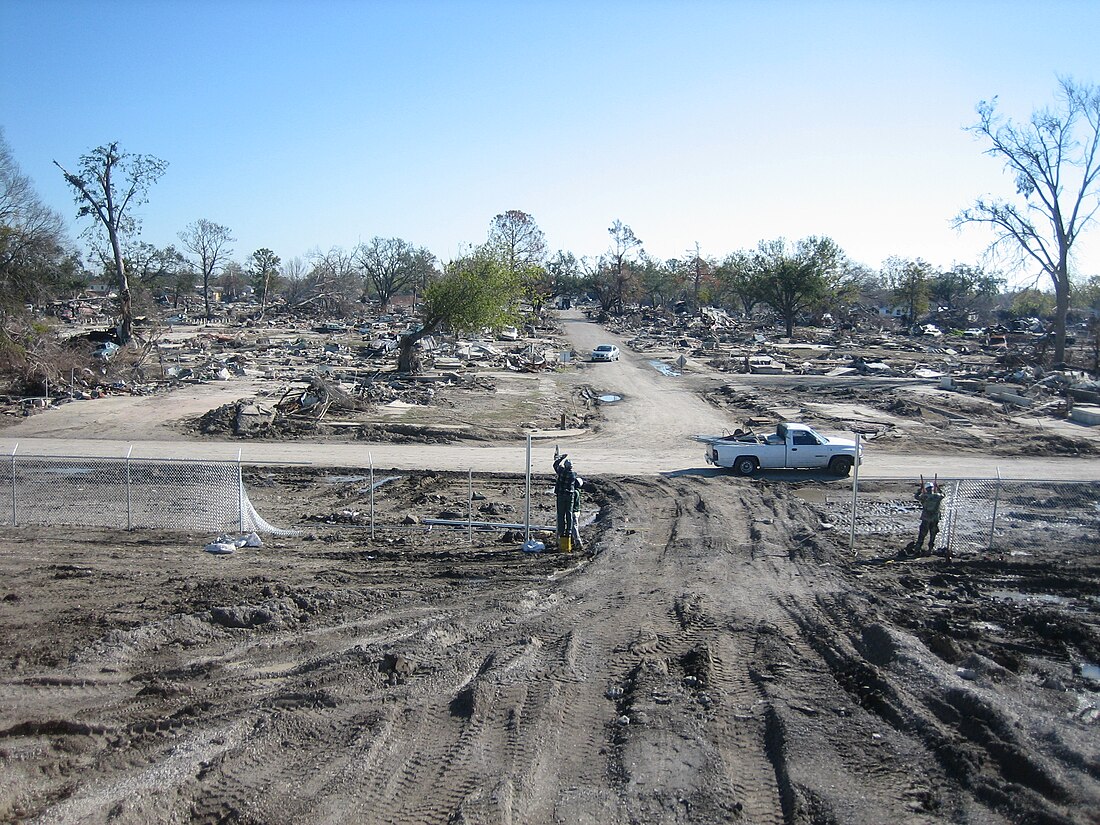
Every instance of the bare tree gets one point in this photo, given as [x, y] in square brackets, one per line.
[391, 265]
[516, 239]
[334, 282]
[623, 244]
[1055, 163]
[108, 184]
[209, 243]
[32, 238]
[699, 270]
[232, 281]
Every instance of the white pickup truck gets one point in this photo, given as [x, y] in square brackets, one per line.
[791, 446]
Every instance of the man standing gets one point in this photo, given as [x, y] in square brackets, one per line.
[564, 488]
[931, 501]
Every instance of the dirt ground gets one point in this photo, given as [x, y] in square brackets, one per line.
[716, 653]
[714, 656]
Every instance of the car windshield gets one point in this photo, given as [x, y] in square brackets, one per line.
[604, 348]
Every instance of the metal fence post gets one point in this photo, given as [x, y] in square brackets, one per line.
[996, 501]
[240, 492]
[951, 520]
[855, 497]
[14, 498]
[129, 508]
[370, 460]
[527, 496]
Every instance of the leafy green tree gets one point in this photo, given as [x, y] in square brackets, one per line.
[1033, 303]
[391, 265]
[473, 292]
[108, 185]
[566, 273]
[739, 281]
[601, 280]
[909, 283]
[794, 279]
[1055, 163]
[520, 245]
[263, 273]
[964, 287]
[150, 269]
[209, 243]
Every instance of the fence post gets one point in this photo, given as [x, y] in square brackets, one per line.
[14, 507]
[470, 506]
[996, 501]
[240, 493]
[129, 507]
[855, 497]
[527, 496]
[953, 517]
[370, 461]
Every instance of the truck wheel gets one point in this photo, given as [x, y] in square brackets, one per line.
[840, 465]
[746, 465]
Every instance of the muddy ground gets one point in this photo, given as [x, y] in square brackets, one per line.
[718, 655]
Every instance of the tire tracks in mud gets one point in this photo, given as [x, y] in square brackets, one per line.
[711, 663]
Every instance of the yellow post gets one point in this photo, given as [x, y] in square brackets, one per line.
[565, 544]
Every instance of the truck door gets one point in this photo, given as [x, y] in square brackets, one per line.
[805, 451]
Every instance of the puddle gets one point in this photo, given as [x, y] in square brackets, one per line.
[1091, 672]
[610, 398]
[664, 368]
[358, 479]
[1029, 598]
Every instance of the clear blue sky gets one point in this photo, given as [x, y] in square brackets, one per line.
[307, 125]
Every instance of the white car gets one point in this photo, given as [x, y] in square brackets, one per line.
[605, 352]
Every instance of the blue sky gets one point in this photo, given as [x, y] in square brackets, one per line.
[303, 126]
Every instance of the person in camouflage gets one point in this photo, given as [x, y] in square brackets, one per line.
[931, 505]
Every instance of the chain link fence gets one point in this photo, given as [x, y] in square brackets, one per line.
[127, 493]
[977, 514]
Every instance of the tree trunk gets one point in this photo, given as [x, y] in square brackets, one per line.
[126, 310]
[407, 358]
[263, 295]
[788, 318]
[1061, 307]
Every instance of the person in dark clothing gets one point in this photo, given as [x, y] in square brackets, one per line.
[931, 505]
[567, 496]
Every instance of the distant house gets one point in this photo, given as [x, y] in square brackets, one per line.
[100, 289]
